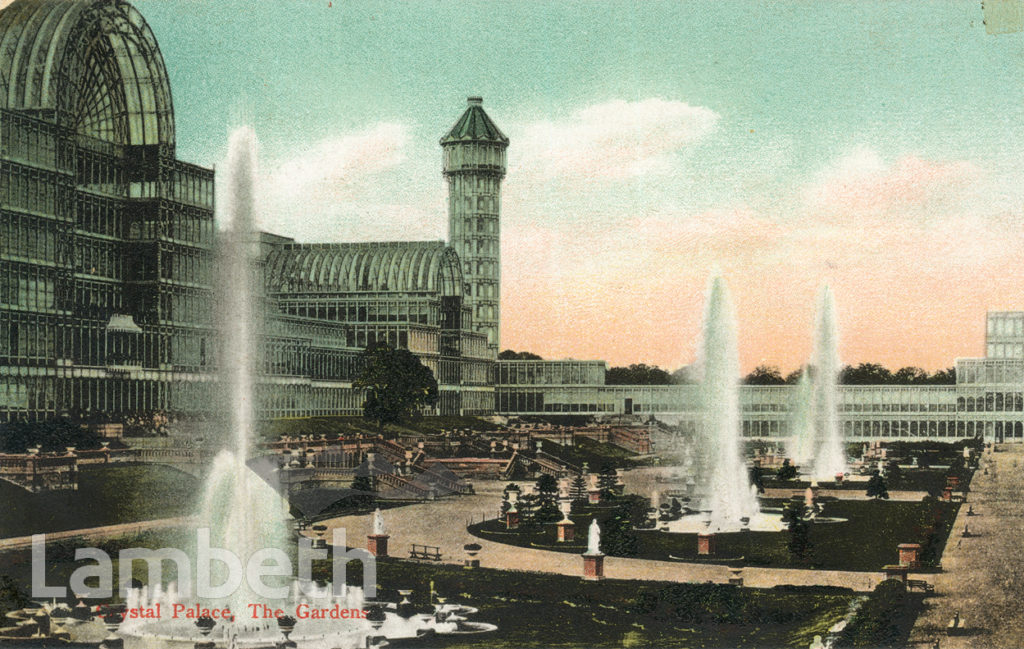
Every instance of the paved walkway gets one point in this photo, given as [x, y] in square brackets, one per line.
[983, 575]
[106, 531]
[443, 523]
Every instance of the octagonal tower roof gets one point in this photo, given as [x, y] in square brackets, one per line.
[474, 126]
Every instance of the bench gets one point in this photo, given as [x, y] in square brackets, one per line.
[426, 552]
[920, 584]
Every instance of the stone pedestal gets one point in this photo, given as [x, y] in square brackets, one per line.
[512, 520]
[947, 493]
[594, 496]
[896, 572]
[705, 544]
[839, 478]
[566, 531]
[952, 481]
[593, 566]
[377, 544]
[910, 554]
[736, 576]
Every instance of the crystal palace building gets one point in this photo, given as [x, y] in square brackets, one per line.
[107, 247]
[107, 251]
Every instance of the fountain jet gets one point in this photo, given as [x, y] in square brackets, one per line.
[726, 485]
[830, 458]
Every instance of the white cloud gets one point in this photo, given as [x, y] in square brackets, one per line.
[611, 141]
[354, 186]
[861, 183]
[337, 166]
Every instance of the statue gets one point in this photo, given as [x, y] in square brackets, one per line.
[378, 522]
[594, 538]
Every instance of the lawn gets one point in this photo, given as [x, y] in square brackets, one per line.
[866, 541]
[106, 495]
[538, 610]
[542, 610]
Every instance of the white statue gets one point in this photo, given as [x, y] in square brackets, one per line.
[594, 538]
[378, 522]
[655, 499]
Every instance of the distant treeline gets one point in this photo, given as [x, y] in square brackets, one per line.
[862, 374]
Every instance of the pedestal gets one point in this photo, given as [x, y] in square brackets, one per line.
[594, 496]
[566, 531]
[947, 493]
[910, 554]
[896, 572]
[705, 544]
[593, 566]
[377, 544]
[512, 520]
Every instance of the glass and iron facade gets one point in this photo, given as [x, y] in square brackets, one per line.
[407, 294]
[105, 237]
[107, 251]
[987, 399]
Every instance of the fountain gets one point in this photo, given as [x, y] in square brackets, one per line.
[830, 459]
[726, 487]
[818, 441]
[246, 515]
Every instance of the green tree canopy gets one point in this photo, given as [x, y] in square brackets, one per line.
[637, 374]
[764, 375]
[877, 488]
[396, 384]
[51, 435]
[510, 355]
[875, 374]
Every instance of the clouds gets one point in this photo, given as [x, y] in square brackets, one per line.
[337, 167]
[611, 141]
[861, 183]
[352, 186]
[614, 216]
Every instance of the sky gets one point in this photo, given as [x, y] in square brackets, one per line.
[873, 146]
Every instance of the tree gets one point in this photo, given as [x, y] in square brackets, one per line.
[528, 506]
[787, 471]
[547, 496]
[509, 355]
[877, 488]
[943, 377]
[396, 384]
[795, 516]
[865, 374]
[51, 435]
[606, 480]
[363, 491]
[578, 487]
[910, 376]
[617, 536]
[764, 375]
[675, 510]
[794, 377]
[637, 374]
[893, 470]
[685, 375]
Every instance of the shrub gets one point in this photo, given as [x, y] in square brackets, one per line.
[884, 620]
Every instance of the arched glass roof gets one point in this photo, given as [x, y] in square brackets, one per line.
[91, 65]
[399, 266]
